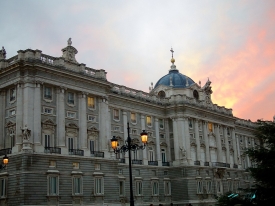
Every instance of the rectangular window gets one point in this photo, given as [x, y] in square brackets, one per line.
[97, 166]
[151, 155]
[134, 131]
[199, 187]
[47, 140]
[77, 185]
[121, 188]
[12, 112]
[48, 110]
[230, 186]
[91, 118]
[116, 114]
[99, 186]
[190, 123]
[91, 102]
[75, 165]
[70, 98]
[92, 145]
[47, 92]
[133, 117]
[162, 136]
[208, 187]
[210, 127]
[70, 143]
[161, 124]
[167, 188]
[53, 185]
[71, 114]
[163, 155]
[149, 121]
[3, 187]
[12, 94]
[155, 188]
[219, 187]
[116, 128]
[138, 188]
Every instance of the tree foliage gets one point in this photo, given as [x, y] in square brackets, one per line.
[262, 157]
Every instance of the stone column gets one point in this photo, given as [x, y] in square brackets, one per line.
[253, 142]
[144, 154]
[176, 140]
[157, 141]
[226, 145]
[206, 139]
[125, 133]
[247, 157]
[167, 135]
[37, 114]
[235, 142]
[197, 140]
[218, 142]
[82, 120]
[2, 119]
[61, 118]
[104, 126]
[238, 150]
[19, 118]
[187, 141]
[28, 108]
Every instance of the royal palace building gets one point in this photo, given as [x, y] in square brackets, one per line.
[57, 117]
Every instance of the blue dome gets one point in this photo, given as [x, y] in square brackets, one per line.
[178, 80]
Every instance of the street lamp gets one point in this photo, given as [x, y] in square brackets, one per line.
[129, 147]
[5, 162]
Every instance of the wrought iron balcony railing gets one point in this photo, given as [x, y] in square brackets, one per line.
[137, 162]
[165, 164]
[97, 154]
[235, 166]
[5, 151]
[55, 150]
[76, 152]
[197, 163]
[220, 164]
[155, 163]
[206, 163]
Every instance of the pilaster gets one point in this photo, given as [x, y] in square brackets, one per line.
[144, 152]
[125, 133]
[187, 140]
[105, 132]
[157, 141]
[247, 157]
[206, 139]
[19, 118]
[2, 119]
[82, 120]
[37, 114]
[176, 141]
[61, 117]
[218, 141]
[226, 145]
[198, 151]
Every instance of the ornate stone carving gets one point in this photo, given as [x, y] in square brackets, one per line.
[3, 53]
[69, 52]
[26, 133]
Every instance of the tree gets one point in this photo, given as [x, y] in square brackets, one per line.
[262, 157]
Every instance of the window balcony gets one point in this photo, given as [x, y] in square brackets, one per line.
[137, 162]
[220, 164]
[154, 163]
[165, 164]
[235, 166]
[78, 152]
[55, 150]
[47, 96]
[206, 163]
[97, 154]
[197, 163]
[5, 151]
[122, 160]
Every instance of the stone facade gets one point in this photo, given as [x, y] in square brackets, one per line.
[57, 118]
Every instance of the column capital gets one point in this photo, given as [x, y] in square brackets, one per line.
[124, 112]
[156, 119]
[82, 94]
[61, 89]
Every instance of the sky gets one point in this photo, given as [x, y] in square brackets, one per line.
[231, 42]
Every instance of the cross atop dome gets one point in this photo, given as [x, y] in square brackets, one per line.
[172, 60]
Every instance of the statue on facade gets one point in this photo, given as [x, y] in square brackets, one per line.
[3, 53]
[207, 88]
[26, 133]
[183, 152]
[69, 41]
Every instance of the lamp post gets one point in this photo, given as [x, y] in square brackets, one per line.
[5, 162]
[129, 147]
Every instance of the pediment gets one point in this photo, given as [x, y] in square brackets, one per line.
[163, 144]
[10, 124]
[93, 129]
[48, 121]
[72, 125]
